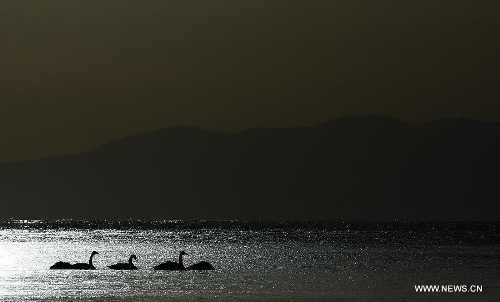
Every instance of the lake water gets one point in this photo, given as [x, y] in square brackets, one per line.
[254, 261]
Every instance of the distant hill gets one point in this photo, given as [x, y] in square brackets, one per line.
[367, 167]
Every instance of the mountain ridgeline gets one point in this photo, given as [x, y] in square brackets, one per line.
[367, 167]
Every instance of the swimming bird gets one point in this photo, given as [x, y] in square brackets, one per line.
[66, 265]
[61, 265]
[122, 266]
[171, 265]
[201, 266]
[174, 266]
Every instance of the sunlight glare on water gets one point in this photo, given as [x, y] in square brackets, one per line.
[253, 261]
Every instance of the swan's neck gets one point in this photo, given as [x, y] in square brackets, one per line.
[180, 261]
[130, 261]
[90, 260]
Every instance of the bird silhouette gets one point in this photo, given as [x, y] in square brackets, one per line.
[125, 266]
[174, 266]
[171, 265]
[201, 266]
[67, 265]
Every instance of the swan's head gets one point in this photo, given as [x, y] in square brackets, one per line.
[183, 253]
[133, 257]
[93, 253]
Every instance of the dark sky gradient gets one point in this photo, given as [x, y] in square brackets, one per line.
[76, 74]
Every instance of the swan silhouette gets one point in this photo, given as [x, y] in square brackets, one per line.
[67, 265]
[201, 266]
[174, 266]
[125, 266]
[171, 265]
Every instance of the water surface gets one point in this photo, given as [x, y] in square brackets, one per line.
[254, 261]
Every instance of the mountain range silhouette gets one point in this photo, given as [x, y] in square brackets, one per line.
[359, 167]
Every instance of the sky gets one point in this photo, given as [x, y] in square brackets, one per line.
[77, 74]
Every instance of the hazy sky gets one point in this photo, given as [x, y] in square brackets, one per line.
[75, 74]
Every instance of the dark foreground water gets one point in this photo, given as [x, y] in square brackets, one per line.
[254, 261]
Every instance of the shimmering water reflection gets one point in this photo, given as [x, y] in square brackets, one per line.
[253, 261]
